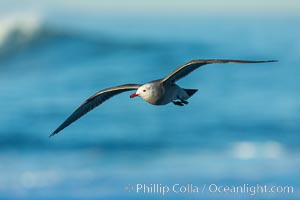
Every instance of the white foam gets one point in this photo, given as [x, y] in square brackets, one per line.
[252, 150]
[244, 150]
[273, 150]
[26, 23]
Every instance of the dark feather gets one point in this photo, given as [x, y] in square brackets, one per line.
[187, 68]
[94, 101]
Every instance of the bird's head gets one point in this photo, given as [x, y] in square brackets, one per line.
[145, 91]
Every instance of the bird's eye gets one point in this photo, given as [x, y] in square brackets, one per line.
[144, 90]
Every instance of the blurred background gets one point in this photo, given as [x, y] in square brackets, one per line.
[241, 127]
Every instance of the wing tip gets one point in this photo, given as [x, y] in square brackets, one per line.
[54, 132]
[250, 61]
[211, 61]
[271, 61]
[255, 61]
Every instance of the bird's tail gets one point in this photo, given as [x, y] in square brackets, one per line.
[190, 92]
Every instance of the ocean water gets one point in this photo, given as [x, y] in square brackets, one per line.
[240, 129]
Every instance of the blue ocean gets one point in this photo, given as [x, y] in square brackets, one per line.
[240, 130]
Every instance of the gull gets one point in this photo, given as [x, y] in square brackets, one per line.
[157, 92]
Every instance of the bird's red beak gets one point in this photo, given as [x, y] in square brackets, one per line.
[133, 95]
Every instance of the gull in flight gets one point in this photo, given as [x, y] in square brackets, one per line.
[157, 92]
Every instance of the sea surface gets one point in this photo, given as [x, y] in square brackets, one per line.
[242, 128]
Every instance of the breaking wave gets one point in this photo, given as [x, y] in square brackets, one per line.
[20, 33]
[18, 30]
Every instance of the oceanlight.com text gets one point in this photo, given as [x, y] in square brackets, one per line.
[248, 189]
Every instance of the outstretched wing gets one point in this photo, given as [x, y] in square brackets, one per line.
[187, 68]
[94, 101]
